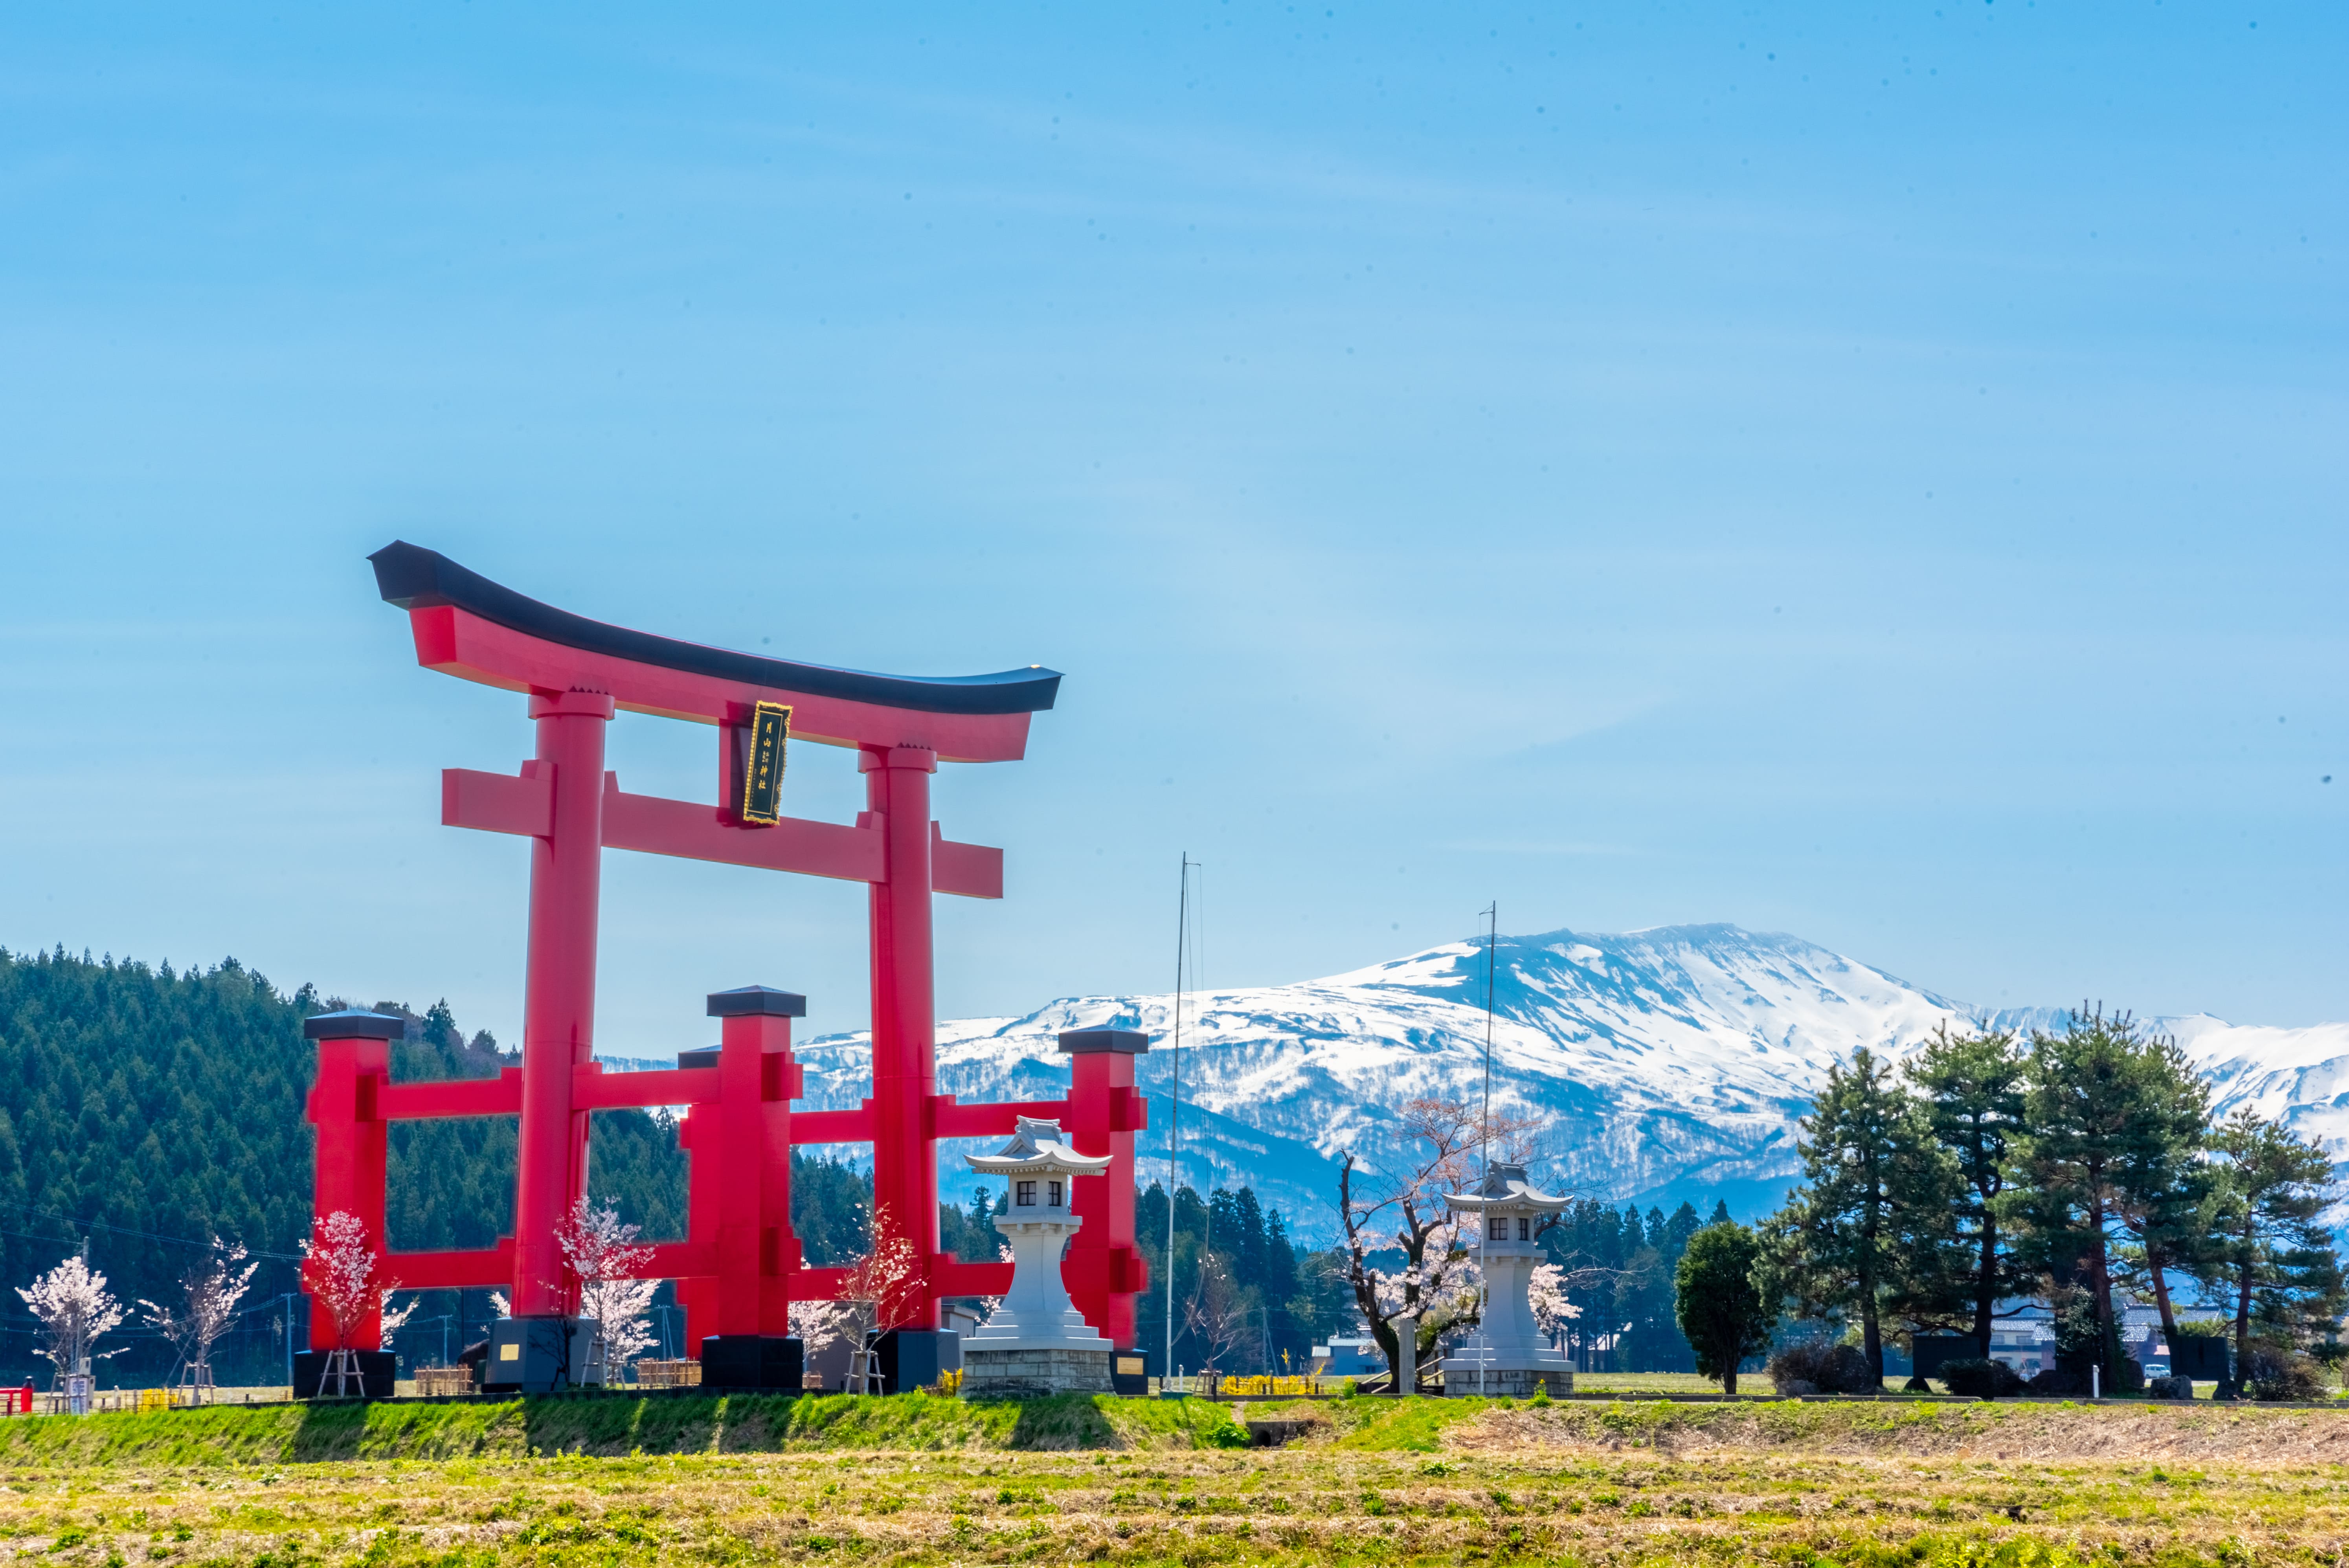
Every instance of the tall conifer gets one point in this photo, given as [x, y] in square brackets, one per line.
[2274, 1251]
[2162, 1187]
[1875, 1214]
[2102, 1109]
[1973, 1086]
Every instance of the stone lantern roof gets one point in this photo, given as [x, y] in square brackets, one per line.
[1506, 1191]
[1037, 1149]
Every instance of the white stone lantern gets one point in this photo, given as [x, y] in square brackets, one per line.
[1036, 1342]
[1508, 1353]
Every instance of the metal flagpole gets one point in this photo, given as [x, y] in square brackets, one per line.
[1484, 1149]
[1174, 1120]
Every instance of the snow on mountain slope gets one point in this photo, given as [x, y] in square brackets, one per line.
[1670, 1063]
[2298, 1075]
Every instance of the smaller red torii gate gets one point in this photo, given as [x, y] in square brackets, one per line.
[740, 1264]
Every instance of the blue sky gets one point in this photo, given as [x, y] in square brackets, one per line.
[1859, 472]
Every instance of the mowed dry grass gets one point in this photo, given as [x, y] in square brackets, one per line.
[2117, 1433]
[1579, 1483]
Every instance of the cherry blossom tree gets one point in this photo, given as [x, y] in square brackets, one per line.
[598, 1246]
[344, 1278]
[1220, 1316]
[602, 1257]
[75, 1308]
[1545, 1293]
[818, 1323]
[619, 1308]
[877, 1290]
[1398, 1204]
[1441, 1288]
[212, 1292]
[390, 1318]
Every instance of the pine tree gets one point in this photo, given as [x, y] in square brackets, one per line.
[1651, 1340]
[2274, 1249]
[2164, 1189]
[1279, 1283]
[969, 1233]
[1876, 1215]
[2101, 1113]
[1972, 1085]
[830, 1209]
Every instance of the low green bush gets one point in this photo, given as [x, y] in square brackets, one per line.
[2279, 1374]
[1816, 1366]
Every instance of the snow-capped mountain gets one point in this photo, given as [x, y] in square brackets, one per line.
[1669, 1063]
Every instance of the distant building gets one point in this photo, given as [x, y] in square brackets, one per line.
[1356, 1358]
[2026, 1340]
[2023, 1335]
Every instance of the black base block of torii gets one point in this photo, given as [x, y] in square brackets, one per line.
[376, 1369]
[537, 1354]
[753, 1361]
[911, 1359]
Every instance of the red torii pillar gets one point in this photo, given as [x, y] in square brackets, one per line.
[353, 1139]
[558, 1027]
[904, 1028]
[740, 1190]
[1102, 1270]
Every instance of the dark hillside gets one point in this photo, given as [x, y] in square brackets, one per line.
[144, 1105]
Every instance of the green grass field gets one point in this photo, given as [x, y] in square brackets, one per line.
[915, 1478]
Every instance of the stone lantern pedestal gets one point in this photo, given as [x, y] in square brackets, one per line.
[1507, 1354]
[1036, 1342]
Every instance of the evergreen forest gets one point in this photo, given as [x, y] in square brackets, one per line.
[1617, 1271]
[145, 1111]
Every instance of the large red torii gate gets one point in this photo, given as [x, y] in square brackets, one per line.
[740, 1266]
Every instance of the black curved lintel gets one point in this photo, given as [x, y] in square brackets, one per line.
[413, 577]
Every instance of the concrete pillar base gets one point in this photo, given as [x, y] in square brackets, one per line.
[1031, 1373]
[1512, 1382]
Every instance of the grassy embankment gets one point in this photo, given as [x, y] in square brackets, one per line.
[916, 1478]
[605, 1426]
